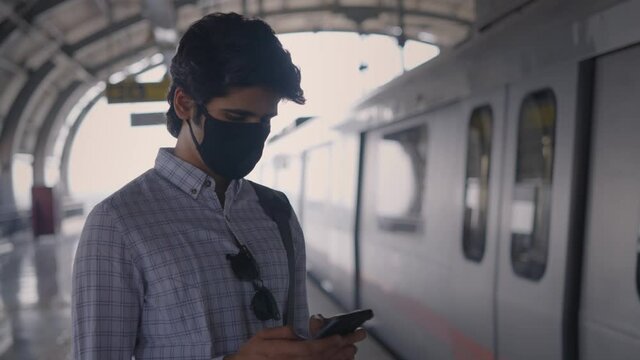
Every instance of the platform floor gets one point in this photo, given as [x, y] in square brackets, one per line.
[35, 289]
[319, 303]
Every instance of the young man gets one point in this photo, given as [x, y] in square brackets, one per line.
[184, 262]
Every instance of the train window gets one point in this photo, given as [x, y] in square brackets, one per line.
[531, 206]
[476, 198]
[402, 158]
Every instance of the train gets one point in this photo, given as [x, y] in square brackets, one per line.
[486, 204]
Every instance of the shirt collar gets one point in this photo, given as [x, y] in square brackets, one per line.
[185, 176]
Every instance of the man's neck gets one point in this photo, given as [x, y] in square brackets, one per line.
[190, 154]
[222, 185]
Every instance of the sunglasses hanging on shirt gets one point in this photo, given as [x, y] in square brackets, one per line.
[245, 268]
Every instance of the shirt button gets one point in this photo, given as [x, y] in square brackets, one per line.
[207, 183]
[194, 191]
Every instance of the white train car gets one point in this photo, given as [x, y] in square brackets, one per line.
[486, 205]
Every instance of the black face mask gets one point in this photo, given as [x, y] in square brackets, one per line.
[230, 149]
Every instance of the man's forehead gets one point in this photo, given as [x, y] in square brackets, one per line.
[257, 100]
[248, 92]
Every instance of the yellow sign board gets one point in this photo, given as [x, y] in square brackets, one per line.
[131, 91]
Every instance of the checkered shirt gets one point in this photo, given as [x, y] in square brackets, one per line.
[150, 278]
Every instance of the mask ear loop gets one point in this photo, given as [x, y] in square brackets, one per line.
[193, 136]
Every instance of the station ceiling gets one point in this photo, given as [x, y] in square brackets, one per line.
[53, 51]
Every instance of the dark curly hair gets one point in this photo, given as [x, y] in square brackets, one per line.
[221, 51]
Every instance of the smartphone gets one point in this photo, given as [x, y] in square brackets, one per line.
[344, 324]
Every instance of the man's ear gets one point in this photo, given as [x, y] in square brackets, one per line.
[183, 104]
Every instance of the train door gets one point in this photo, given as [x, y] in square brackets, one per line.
[610, 312]
[410, 230]
[316, 210]
[328, 208]
[536, 199]
[474, 229]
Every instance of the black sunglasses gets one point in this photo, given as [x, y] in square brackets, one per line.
[245, 268]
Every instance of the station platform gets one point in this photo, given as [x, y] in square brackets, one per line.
[35, 287]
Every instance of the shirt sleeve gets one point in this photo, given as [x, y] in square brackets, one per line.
[301, 316]
[107, 291]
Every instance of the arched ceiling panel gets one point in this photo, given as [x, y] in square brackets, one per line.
[462, 9]
[28, 10]
[20, 45]
[118, 63]
[78, 21]
[51, 125]
[38, 104]
[113, 28]
[312, 21]
[38, 110]
[68, 16]
[73, 20]
[34, 114]
[11, 83]
[11, 122]
[114, 44]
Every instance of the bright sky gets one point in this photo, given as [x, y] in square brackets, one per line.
[108, 152]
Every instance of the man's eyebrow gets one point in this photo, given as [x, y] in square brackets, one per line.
[242, 112]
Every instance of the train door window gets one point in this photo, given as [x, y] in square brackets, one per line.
[402, 158]
[476, 198]
[531, 205]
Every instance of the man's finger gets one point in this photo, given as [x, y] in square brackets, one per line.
[283, 348]
[315, 324]
[357, 336]
[284, 343]
[283, 332]
[329, 344]
[347, 352]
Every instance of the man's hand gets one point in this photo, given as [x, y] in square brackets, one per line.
[282, 343]
[316, 322]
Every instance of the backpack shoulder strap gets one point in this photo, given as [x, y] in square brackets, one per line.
[277, 206]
